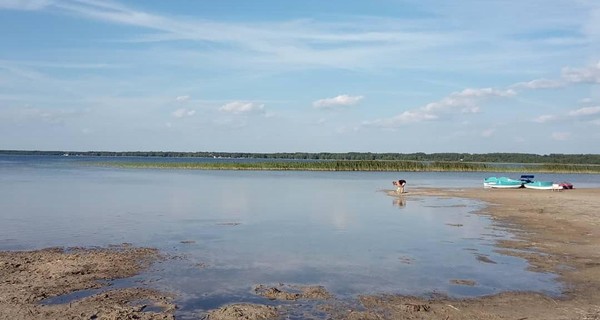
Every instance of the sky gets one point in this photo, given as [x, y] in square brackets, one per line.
[301, 76]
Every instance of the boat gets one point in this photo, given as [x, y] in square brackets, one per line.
[502, 183]
[543, 185]
[566, 185]
[527, 178]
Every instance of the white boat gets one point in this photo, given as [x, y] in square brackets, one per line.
[543, 185]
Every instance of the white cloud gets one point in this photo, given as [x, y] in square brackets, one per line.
[240, 107]
[545, 118]
[589, 74]
[341, 100]
[538, 84]
[183, 112]
[182, 98]
[587, 111]
[466, 101]
[561, 136]
[586, 100]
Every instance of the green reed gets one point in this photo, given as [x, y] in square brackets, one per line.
[359, 165]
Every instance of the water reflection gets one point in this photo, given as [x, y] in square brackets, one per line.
[248, 228]
[399, 202]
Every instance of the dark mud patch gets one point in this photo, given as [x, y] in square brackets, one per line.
[245, 311]
[292, 292]
[484, 259]
[29, 277]
[463, 282]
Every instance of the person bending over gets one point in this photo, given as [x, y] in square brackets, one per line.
[400, 185]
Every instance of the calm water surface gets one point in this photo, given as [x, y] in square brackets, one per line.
[337, 229]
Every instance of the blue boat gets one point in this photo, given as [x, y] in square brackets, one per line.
[527, 178]
[542, 185]
[502, 183]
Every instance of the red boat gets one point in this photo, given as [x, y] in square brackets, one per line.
[566, 185]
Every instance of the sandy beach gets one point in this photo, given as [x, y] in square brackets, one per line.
[557, 232]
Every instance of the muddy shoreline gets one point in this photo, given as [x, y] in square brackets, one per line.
[29, 277]
[557, 232]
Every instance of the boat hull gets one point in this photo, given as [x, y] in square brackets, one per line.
[542, 185]
[506, 186]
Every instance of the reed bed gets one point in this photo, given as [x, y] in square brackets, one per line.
[359, 165]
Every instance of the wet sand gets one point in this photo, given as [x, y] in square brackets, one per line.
[29, 277]
[556, 232]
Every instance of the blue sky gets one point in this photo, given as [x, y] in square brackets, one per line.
[284, 76]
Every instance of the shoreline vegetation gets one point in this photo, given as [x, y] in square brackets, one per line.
[358, 165]
[502, 158]
[349, 161]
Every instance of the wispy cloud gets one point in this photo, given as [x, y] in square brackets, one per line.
[590, 74]
[182, 98]
[183, 112]
[587, 111]
[242, 107]
[341, 100]
[545, 118]
[582, 114]
[361, 42]
[466, 101]
[364, 41]
[469, 100]
[538, 84]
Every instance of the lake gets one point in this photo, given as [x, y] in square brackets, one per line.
[232, 230]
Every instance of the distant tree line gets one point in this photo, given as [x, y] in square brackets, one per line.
[555, 158]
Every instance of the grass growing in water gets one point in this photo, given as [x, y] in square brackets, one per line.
[358, 165]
